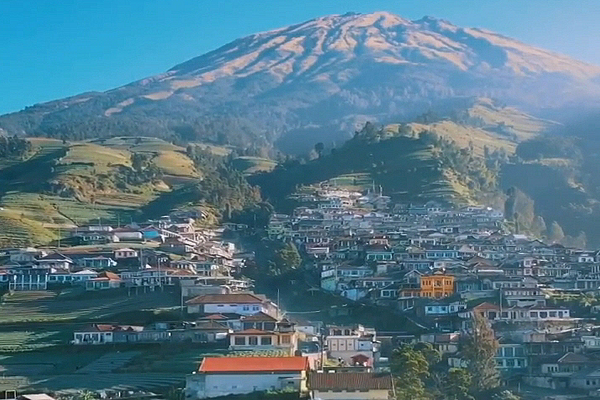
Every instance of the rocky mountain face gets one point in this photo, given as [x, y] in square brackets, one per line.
[318, 80]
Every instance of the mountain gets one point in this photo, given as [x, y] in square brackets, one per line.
[317, 81]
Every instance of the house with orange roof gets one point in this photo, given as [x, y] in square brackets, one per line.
[225, 376]
[105, 280]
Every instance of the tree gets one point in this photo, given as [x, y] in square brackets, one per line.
[457, 384]
[319, 147]
[287, 258]
[555, 233]
[505, 395]
[479, 351]
[410, 368]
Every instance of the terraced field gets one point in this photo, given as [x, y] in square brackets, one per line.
[79, 368]
[29, 340]
[170, 359]
[22, 307]
[143, 381]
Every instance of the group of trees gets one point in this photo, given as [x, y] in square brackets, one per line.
[221, 186]
[519, 209]
[13, 147]
[419, 375]
[274, 258]
[477, 173]
[143, 169]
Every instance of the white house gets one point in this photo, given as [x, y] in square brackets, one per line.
[225, 376]
[234, 303]
[125, 253]
[72, 277]
[29, 254]
[55, 260]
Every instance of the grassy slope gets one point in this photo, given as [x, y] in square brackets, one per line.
[31, 215]
[252, 165]
[404, 166]
[484, 123]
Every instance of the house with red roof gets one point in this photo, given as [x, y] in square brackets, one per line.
[106, 280]
[225, 376]
[236, 303]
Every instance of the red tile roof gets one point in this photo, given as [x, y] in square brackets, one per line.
[235, 298]
[261, 316]
[349, 381]
[252, 332]
[253, 364]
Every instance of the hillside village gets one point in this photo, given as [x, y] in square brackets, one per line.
[433, 264]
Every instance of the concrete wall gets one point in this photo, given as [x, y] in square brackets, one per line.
[199, 386]
[352, 395]
[242, 309]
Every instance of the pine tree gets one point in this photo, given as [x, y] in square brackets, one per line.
[479, 351]
[409, 367]
[457, 384]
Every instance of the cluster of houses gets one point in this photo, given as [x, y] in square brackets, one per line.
[267, 350]
[441, 264]
[170, 251]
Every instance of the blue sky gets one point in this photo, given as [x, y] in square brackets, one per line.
[55, 48]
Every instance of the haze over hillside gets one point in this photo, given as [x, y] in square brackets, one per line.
[315, 81]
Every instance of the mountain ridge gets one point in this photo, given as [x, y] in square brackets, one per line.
[330, 73]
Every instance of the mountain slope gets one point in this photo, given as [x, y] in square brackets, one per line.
[316, 80]
[60, 185]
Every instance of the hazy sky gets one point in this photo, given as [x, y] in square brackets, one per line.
[55, 48]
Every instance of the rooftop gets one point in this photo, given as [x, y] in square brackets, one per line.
[253, 364]
[236, 298]
[349, 381]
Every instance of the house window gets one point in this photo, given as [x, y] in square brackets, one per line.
[510, 362]
[265, 341]
[240, 340]
[519, 352]
[246, 308]
[533, 314]
[269, 326]
[253, 340]
[286, 339]
[255, 308]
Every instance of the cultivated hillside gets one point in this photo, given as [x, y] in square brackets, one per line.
[315, 81]
[59, 185]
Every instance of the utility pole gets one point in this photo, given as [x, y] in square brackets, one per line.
[278, 304]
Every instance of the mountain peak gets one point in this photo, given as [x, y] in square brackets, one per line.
[335, 69]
